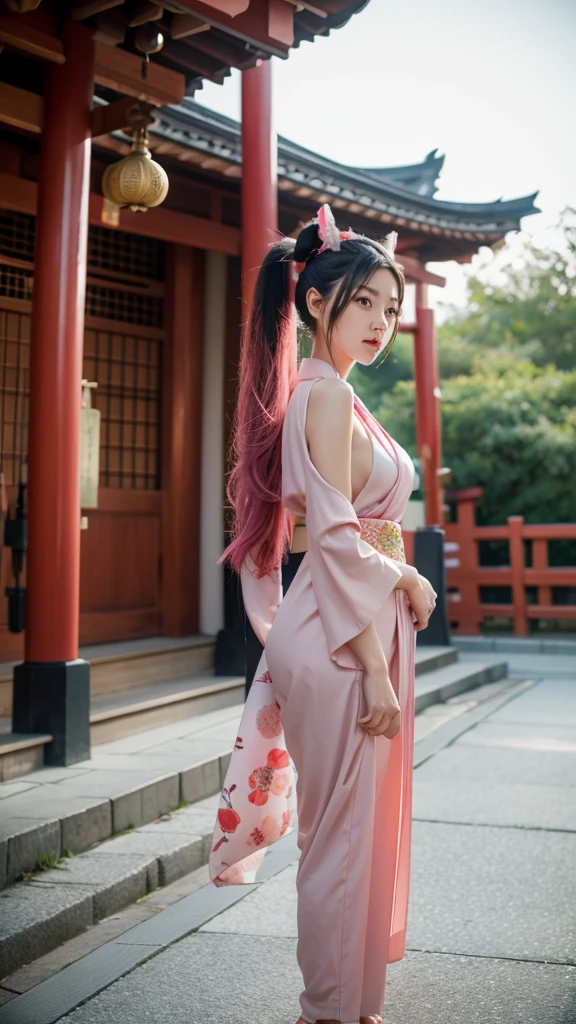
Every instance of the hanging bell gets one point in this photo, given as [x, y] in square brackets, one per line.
[148, 39]
[136, 181]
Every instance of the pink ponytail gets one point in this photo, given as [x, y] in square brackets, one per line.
[268, 371]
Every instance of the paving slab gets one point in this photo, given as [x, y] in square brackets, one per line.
[110, 782]
[13, 788]
[529, 665]
[517, 644]
[458, 891]
[193, 820]
[520, 736]
[551, 702]
[269, 910]
[46, 774]
[227, 979]
[485, 891]
[492, 766]
[169, 757]
[205, 980]
[472, 802]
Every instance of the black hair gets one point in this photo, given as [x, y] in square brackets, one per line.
[346, 270]
[268, 369]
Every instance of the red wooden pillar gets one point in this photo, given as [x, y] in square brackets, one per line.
[51, 687]
[468, 614]
[259, 175]
[428, 429]
[517, 568]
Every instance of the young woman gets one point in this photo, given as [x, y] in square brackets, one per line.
[333, 695]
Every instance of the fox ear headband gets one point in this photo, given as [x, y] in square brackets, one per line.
[325, 226]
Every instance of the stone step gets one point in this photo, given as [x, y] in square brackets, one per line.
[132, 780]
[56, 904]
[430, 658]
[444, 683]
[123, 712]
[21, 753]
[114, 715]
[128, 782]
[128, 663]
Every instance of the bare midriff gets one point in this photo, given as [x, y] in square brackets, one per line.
[299, 539]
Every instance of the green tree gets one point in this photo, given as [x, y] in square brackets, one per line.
[509, 428]
[530, 312]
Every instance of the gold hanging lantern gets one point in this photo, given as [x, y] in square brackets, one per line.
[136, 181]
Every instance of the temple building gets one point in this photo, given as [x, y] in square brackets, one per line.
[145, 308]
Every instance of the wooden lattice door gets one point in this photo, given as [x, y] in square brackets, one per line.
[120, 586]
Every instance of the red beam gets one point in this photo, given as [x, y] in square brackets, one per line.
[169, 225]
[266, 23]
[555, 531]
[416, 271]
[21, 32]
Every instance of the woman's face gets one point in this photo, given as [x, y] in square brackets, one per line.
[367, 323]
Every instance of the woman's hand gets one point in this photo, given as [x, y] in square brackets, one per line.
[421, 595]
[382, 716]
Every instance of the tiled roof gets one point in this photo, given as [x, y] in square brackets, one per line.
[399, 196]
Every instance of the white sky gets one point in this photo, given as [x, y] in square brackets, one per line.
[492, 85]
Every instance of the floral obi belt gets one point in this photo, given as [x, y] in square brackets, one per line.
[384, 535]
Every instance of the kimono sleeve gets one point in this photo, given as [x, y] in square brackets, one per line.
[351, 579]
[261, 597]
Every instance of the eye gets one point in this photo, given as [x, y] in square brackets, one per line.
[364, 298]
[392, 311]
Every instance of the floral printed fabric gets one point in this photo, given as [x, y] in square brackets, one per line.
[384, 535]
[258, 797]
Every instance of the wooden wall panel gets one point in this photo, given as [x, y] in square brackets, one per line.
[181, 449]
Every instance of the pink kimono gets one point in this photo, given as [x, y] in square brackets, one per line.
[354, 791]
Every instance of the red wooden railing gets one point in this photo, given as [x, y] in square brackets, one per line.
[465, 576]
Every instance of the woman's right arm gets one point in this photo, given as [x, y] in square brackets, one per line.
[372, 577]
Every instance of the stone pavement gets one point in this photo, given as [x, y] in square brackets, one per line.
[492, 926]
[527, 657]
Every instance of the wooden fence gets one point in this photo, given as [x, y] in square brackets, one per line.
[532, 585]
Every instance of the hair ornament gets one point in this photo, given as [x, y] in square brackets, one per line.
[324, 228]
[329, 233]
[389, 243]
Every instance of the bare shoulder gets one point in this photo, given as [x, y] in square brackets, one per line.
[329, 425]
[330, 406]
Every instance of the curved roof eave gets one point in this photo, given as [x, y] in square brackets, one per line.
[219, 139]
